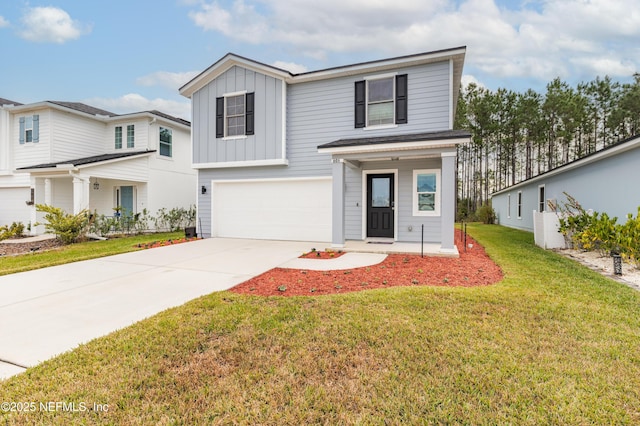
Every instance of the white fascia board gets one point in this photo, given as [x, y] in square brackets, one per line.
[228, 61]
[234, 164]
[389, 147]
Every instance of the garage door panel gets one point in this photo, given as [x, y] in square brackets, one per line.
[13, 207]
[282, 209]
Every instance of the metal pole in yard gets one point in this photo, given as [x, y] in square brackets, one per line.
[422, 242]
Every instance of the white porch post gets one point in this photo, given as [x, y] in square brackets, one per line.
[80, 194]
[448, 201]
[337, 208]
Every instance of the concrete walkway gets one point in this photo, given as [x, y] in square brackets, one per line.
[49, 311]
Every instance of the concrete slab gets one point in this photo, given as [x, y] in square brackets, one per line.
[49, 311]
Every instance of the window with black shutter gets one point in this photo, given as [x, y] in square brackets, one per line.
[235, 115]
[381, 101]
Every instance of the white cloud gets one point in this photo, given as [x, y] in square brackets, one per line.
[134, 102]
[536, 39]
[291, 67]
[169, 80]
[3, 22]
[51, 25]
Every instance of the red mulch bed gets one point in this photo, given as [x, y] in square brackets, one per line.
[472, 268]
[315, 254]
[163, 243]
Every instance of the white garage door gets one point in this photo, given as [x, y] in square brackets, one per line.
[13, 207]
[283, 209]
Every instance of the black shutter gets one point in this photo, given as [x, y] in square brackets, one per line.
[360, 104]
[401, 99]
[219, 117]
[249, 103]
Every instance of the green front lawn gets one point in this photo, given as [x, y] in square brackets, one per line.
[553, 343]
[79, 251]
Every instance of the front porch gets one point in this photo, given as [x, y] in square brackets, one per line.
[399, 247]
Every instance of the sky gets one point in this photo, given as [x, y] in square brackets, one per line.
[134, 55]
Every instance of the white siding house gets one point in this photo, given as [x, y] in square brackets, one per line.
[361, 152]
[76, 157]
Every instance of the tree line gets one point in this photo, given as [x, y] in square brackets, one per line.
[516, 136]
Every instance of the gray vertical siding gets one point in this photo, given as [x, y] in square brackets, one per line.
[266, 144]
[606, 186]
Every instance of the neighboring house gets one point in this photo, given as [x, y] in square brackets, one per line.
[73, 156]
[604, 181]
[359, 152]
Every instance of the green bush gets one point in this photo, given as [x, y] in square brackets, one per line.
[68, 228]
[629, 239]
[486, 214]
[16, 229]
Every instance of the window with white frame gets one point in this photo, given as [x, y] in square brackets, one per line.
[29, 129]
[166, 142]
[509, 206]
[131, 136]
[519, 207]
[426, 192]
[380, 102]
[541, 199]
[118, 137]
[235, 115]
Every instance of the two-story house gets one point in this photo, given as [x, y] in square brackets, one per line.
[74, 156]
[358, 152]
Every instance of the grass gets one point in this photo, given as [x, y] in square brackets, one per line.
[553, 343]
[80, 251]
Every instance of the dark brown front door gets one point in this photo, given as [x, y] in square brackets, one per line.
[380, 205]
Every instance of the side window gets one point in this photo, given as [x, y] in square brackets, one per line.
[130, 136]
[235, 115]
[381, 101]
[541, 199]
[519, 207]
[118, 137]
[165, 142]
[29, 129]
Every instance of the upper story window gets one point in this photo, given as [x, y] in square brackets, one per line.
[381, 101]
[131, 136]
[29, 129]
[118, 137]
[165, 142]
[234, 115]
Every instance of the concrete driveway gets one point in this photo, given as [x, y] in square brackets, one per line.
[49, 311]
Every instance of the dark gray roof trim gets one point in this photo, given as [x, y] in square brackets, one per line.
[8, 102]
[88, 160]
[413, 137]
[88, 109]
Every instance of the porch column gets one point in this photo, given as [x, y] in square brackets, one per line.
[80, 194]
[337, 207]
[448, 201]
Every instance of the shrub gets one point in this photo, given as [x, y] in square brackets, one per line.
[486, 214]
[629, 239]
[16, 229]
[67, 227]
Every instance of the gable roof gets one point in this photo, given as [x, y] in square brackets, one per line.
[230, 59]
[87, 160]
[4, 102]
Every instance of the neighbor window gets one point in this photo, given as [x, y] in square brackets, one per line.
[381, 101]
[118, 137]
[541, 199]
[29, 128]
[165, 142]
[519, 207]
[130, 136]
[234, 115]
[509, 206]
[426, 194]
